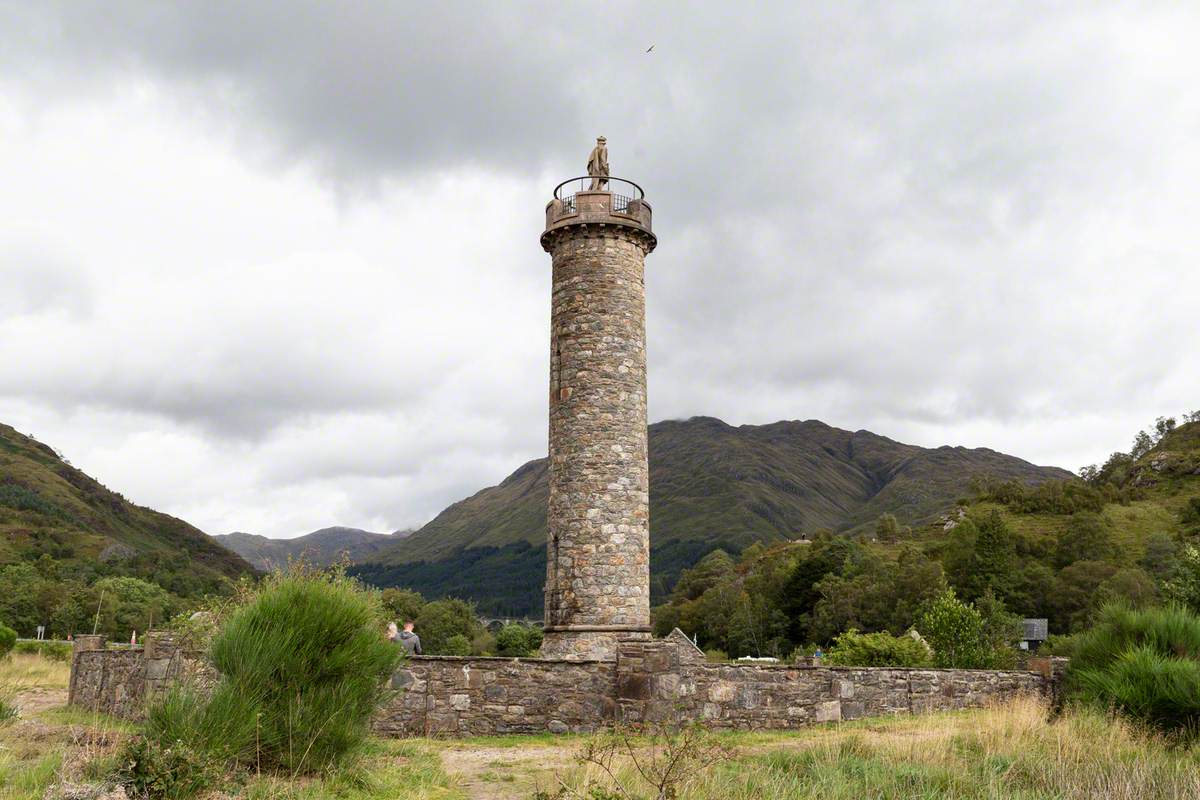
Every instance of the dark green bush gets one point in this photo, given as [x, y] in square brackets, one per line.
[442, 620]
[22, 498]
[1144, 664]
[518, 640]
[854, 649]
[456, 645]
[8, 639]
[223, 726]
[307, 660]
[1059, 644]
[303, 667]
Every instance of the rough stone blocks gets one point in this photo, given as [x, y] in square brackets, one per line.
[598, 544]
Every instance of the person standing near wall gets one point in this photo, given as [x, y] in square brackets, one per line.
[409, 640]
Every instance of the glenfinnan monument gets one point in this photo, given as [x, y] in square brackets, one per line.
[598, 548]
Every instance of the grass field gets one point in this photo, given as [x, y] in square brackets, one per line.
[1011, 752]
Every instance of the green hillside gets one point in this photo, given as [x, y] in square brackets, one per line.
[1059, 550]
[61, 530]
[712, 485]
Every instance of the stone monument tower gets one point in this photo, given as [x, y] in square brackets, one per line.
[598, 548]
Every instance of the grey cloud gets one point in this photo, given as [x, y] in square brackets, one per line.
[32, 281]
[934, 212]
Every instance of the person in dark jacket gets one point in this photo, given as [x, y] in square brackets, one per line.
[409, 640]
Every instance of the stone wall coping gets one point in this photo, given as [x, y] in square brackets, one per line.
[505, 660]
[580, 662]
[840, 668]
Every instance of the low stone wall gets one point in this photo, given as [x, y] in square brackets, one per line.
[109, 681]
[444, 695]
[655, 683]
[119, 681]
[663, 679]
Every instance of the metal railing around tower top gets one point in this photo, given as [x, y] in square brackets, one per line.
[623, 192]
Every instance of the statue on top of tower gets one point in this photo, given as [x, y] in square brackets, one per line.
[597, 165]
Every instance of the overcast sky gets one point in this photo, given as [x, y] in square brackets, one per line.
[275, 266]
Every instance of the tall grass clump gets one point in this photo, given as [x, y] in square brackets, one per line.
[303, 667]
[8, 706]
[1144, 664]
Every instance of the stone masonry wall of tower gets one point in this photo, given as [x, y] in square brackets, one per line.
[598, 559]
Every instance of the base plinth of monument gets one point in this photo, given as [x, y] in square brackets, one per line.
[594, 644]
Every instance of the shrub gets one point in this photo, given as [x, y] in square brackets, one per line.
[854, 649]
[170, 771]
[1190, 516]
[1144, 664]
[222, 727]
[665, 757]
[306, 658]
[401, 605]
[1060, 644]
[8, 708]
[1184, 587]
[302, 667]
[442, 620]
[517, 640]
[456, 645]
[8, 711]
[8, 640]
[964, 638]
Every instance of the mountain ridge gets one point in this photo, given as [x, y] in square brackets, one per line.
[711, 485]
[320, 548]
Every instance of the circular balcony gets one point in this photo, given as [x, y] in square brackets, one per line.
[624, 192]
[618, 202]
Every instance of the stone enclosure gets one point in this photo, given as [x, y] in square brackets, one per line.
[662, 679]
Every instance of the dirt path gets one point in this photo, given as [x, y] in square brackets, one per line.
[504, 773]
[37, 699]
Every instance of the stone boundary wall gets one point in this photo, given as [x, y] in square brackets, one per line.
[119, 681]
[474, 696]
[655, 683]
[663, 679]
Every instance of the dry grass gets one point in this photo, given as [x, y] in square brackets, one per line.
[38, 749]
[1007, 752]
[21, 671]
